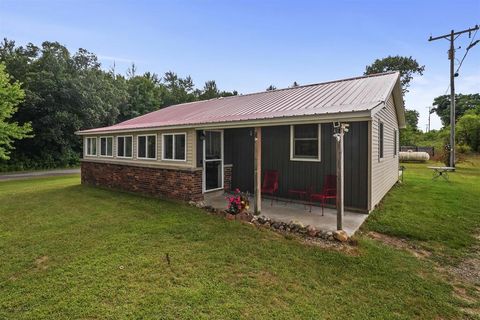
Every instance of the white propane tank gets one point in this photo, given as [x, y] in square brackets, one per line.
[413, 156]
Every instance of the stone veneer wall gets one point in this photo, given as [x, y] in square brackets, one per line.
[181, 184]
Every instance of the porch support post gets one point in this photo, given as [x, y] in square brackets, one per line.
[258, 171]
[340, 130]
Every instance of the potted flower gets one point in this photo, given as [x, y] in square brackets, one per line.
[237, 203]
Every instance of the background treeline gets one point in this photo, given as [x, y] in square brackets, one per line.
[467, 116]
[66, 92]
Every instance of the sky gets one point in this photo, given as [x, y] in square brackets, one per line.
[246, 45]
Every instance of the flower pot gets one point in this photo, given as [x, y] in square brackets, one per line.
[230, 216]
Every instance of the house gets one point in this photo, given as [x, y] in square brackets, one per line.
[187, 150]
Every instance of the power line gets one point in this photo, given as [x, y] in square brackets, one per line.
[452, 36]
[466, 51]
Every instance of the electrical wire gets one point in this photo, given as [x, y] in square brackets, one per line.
[466, 52]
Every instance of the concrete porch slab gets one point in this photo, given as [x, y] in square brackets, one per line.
[286, 212]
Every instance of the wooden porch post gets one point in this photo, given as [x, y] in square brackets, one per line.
[339, 133]
[258, 170]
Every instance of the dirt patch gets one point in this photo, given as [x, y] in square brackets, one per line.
[400, 244]
[41, 263]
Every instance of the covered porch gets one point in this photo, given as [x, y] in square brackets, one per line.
[283, 210]
[241, 157]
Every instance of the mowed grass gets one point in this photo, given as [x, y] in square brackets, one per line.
[75, 252]
[442, 216]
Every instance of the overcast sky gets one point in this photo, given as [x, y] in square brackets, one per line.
[248, 45]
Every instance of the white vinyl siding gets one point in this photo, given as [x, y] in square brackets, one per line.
[384, 171]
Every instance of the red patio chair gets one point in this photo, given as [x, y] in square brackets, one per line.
[329, 191]
[270, 183]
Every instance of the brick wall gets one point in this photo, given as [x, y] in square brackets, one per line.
[170, 183]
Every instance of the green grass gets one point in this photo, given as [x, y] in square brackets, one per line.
[75, 252]
[442, 216]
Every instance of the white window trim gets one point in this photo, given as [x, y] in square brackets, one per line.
[146, 146]
[87, 151]
[100, 145]
[173, 146]
[395, 143]
[293, 158]
[381, 141]
[124, 147]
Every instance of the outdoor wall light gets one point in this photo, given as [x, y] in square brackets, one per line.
[202, 136]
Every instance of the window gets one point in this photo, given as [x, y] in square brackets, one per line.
[106, 146]
[380, 140]
[395, 147]
[91, 146]
[124, 147]
[174, 146]
[147, 146]
[305, 142]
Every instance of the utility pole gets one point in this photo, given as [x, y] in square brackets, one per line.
[451, 56]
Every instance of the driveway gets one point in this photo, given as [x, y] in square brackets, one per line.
[35, 174]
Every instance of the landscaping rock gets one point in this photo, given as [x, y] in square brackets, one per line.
[311, 231]
[341, 236]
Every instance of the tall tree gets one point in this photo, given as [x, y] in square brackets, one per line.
[407, 66]
[11, 95]
[463, 103]
[468, 129]
[210, 90]
[411, 117]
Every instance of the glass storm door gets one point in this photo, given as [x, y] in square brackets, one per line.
[213, 160]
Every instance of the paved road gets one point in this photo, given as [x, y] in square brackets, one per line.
[35, 174]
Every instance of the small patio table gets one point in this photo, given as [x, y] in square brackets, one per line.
[441, 172]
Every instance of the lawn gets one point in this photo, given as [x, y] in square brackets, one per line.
[75, 252]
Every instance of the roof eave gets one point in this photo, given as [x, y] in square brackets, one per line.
[364, 115]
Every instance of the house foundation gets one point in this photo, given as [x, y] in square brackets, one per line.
[180, 184]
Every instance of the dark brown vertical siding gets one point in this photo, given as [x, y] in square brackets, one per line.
[301, 174]
[238, 151]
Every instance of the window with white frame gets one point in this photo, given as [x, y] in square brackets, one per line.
[174, 146]
[106, 146]
[305, 142]
[91, 146]
[380, 140]
[124, 146]
[147, 146]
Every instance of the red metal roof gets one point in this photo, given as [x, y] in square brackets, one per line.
[340, 96]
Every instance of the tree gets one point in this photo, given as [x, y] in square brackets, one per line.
[407, 66]
[468, 129]
[411, 117]
[210, 91]
[463, 103]
[11, 95]
[144, 94]
[271, 88]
